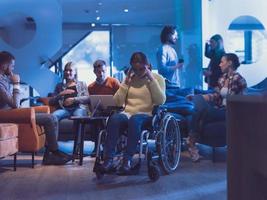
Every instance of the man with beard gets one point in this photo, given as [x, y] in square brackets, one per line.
[168, 65]
[10, 98]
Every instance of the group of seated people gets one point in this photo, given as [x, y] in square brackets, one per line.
[137, 94]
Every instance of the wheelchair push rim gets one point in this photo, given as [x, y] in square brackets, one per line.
[169, 144]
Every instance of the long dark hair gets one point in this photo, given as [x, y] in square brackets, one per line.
[139, 56]
[219, 40]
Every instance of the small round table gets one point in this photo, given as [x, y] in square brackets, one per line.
[80, 122]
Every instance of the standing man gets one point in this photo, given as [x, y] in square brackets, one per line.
[10, 99]
[168, 65]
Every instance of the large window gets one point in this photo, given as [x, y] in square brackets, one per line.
[95, 46]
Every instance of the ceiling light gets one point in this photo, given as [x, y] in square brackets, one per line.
[126, 10]
[100, 3]
[93, 24]
[97, 11]
[98, 18]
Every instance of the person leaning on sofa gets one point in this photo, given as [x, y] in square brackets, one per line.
[140, 91]
[10, 99]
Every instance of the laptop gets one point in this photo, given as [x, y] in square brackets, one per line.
[101, 103]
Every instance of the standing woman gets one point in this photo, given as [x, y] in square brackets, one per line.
[140, 91]
[211, 107]
[214, 50]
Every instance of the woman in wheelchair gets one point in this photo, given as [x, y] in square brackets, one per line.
[211, 107]
[140, 91]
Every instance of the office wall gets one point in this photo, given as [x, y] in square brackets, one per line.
[48, 40]
[30, 52]
[218, 15]
[188, 20]
[128, 39]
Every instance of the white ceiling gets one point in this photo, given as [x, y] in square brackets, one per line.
[141, 12]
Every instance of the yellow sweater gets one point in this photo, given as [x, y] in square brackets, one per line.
[141, 95]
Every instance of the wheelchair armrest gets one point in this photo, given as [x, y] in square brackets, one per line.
[158, 109]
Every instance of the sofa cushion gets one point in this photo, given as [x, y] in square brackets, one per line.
[8, 131]
[8, 139]
[8, 147]
[214, 134]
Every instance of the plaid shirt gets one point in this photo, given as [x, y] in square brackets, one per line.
[236, 85]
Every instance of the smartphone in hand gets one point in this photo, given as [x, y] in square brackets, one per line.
[181, 60]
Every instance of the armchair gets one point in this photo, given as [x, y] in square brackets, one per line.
[45, 101]
[31, 137]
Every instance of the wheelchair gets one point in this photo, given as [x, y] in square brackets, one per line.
[160, 144]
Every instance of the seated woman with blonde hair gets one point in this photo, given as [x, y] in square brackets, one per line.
[70, 96]
[140, 91]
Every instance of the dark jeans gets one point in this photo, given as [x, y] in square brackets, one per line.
[50, 124]
[204, 113]
[117, 124]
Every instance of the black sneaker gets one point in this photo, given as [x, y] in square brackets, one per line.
[62, 154]
[125, 168]
[107, 166]
[55, 158]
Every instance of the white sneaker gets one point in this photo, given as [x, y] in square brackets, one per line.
[193, 152]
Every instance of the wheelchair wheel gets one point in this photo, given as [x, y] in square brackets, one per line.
[169, 144]
[153, 172]
[97, 169]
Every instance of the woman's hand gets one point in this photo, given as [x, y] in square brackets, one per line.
[206, 97]
[67, 91]
[69, 101]
[148, 74]
[189, 97]
[207, 73]
[179, 65]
